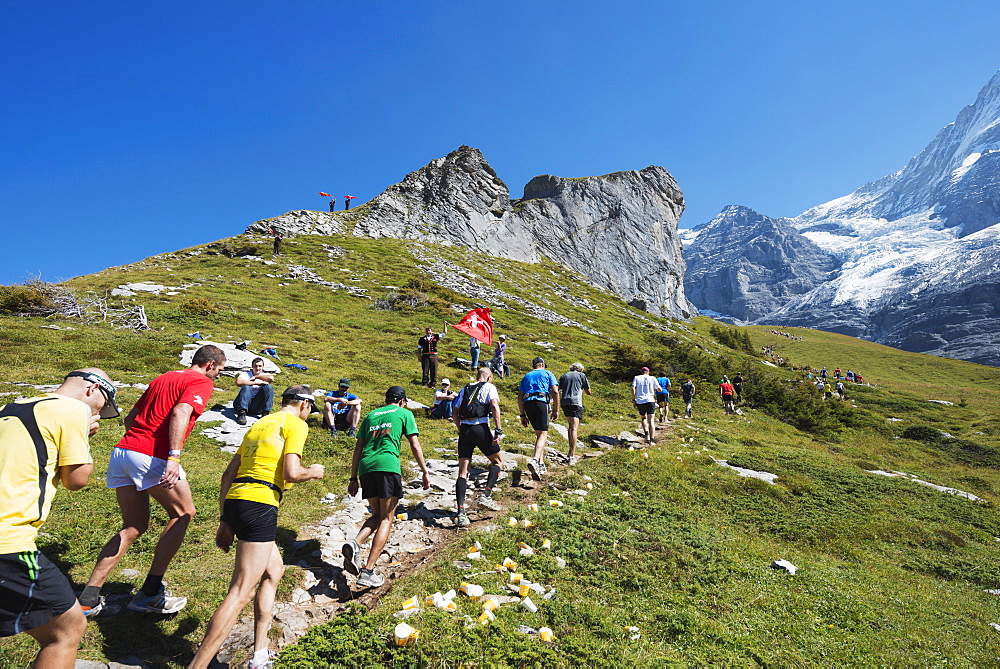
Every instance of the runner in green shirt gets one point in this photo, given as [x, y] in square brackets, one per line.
[376, 463]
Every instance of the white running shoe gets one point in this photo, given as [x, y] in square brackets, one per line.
[161, 603]
[369, 579]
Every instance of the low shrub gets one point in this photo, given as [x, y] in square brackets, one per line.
[26, 300]
[200, 306]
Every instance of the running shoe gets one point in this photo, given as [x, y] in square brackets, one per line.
[573, 459]
[352, 557]
[462, 520]
[333, 432]
[93, 611]
[161, 602]
[241, 418]
[369, 579]
[266, 664]
[488, 502]
[542, 467]
[534, 469]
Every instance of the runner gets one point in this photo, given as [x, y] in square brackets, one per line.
[726, 392]
[266, 465]
[738, 386]
[688, 392]
[471, 412]
[147, 463]
[376, 461]
[572, 386]
[663, 399]
[644, 389]
[537, 399]
[43, 443]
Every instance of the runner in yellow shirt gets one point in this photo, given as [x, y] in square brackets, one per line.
[266, 465]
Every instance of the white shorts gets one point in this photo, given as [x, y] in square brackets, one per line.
[133, 468]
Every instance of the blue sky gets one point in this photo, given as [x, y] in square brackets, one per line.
[134, 128]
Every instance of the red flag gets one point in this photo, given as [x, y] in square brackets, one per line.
[477, 323]
[325, 194]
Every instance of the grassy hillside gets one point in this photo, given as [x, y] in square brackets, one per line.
[891, 572]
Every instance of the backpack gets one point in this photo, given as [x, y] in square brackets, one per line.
[472, 405]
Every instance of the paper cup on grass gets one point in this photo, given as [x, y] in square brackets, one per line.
[472, 590]
[560, 562]
[533, 508]
[545, 634]
[411, 603]
[491, 604]
[486, 617]
[555, 502]
[528, 604]
[405, 635]
[512, 522]
[525, 523]
[510, 564]
[546, 544]
[524, 588]
[645, 454]
[400, 516]
[448, 605]
[516, 577]
[474, 556]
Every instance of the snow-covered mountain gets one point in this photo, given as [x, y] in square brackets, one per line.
[918, 252]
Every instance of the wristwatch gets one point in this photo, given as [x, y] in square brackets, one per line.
[174, 452]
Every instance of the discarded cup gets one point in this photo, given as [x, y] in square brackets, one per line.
[528, 604]
[545, 634]
[560, 562]
[472, 590]
[633, 633]
[512, 522]
[486, 617]
[510, 564]
[527, 552]
[474, 556]
[491, 604]
[411, 603]
[451, 594]
[645, 454]
[590, 486]
[555, 502]
[400, 516]
[476, 547]
[516, 577]
[526, 523]
[523, 545]
[524, 588]
[546, 544]
[434, 600]
[448, 606]
[405, 635]
[533, 508]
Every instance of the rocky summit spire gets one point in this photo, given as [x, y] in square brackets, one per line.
[618, 230]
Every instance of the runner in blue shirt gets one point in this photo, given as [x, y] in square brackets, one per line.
[537, 399]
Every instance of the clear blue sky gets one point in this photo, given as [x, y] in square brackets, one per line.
[134, 128]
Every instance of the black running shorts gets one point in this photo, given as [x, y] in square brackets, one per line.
[471, 437]
[572, 410]
[662, 397]
[382, 485]
[646, 408]
[251, 521]
[32, 592]
[537, 412]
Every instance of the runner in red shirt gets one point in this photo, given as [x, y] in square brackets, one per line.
[726, 391]
[146, 463]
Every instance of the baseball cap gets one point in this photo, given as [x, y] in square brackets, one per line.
[445, 382]
[645, 370]
[395, 393]
[108, 389]
[538, 360]
[346, 382]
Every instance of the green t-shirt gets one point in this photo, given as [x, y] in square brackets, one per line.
[382, 432]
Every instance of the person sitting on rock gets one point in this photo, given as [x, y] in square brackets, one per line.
[342, 409]
[443, 399]
[256, 393]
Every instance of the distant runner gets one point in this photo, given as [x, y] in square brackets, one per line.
[572, 385]
[688, 391]
[376, 462]
[266, 465]
[726, 392]
[663, 399]
[471, 412]
[644, 389]
[537, 400]
[738, 386]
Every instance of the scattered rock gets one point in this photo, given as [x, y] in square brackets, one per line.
[784, 565]
[749, 473]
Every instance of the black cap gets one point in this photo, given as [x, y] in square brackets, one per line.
[108, 389]
[395, 393]
[538, 361]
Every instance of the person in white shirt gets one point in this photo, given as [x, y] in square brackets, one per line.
[644, 389]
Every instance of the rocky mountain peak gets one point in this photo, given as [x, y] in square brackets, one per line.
[618, 230]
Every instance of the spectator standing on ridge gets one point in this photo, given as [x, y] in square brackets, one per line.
[376, 462]
[44, 441]
[726, 392]
[428, 355]
[572, 385]
[472, 409]
[267, 464]
[147, 463]
[688, 391]
[474, 351]
[537, 399]
[256, 395]
[443, 397]
[644, 389]
[663, 398]
[342, 409]
[738, 386]
[277, 242]
[499, 361]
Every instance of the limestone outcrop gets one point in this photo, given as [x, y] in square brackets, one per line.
[618, 230]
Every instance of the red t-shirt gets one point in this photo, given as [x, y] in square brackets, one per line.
[726, 388]
[150, 433]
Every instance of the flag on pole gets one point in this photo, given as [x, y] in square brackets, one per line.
[325, 194]
[477, 323]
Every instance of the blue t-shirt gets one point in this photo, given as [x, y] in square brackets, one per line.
[340, 408]
[664, 384]
[536, 384]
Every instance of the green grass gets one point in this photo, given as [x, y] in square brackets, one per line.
[890, 572]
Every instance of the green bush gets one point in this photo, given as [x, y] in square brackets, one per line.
[738, 340]
[352, 639]
[32, 299]
[200, 306]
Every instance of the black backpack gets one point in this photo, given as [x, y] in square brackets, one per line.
[472, 405]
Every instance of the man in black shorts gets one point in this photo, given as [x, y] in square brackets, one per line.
[44, 441]
[376, 461]
[572, 385]
[537, 399]
[267, 463]
[471, 414]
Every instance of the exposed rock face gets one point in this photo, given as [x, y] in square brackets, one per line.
[618, 230]
[918, 252]
[746, 266]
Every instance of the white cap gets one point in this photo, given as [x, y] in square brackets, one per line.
[445, 382]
